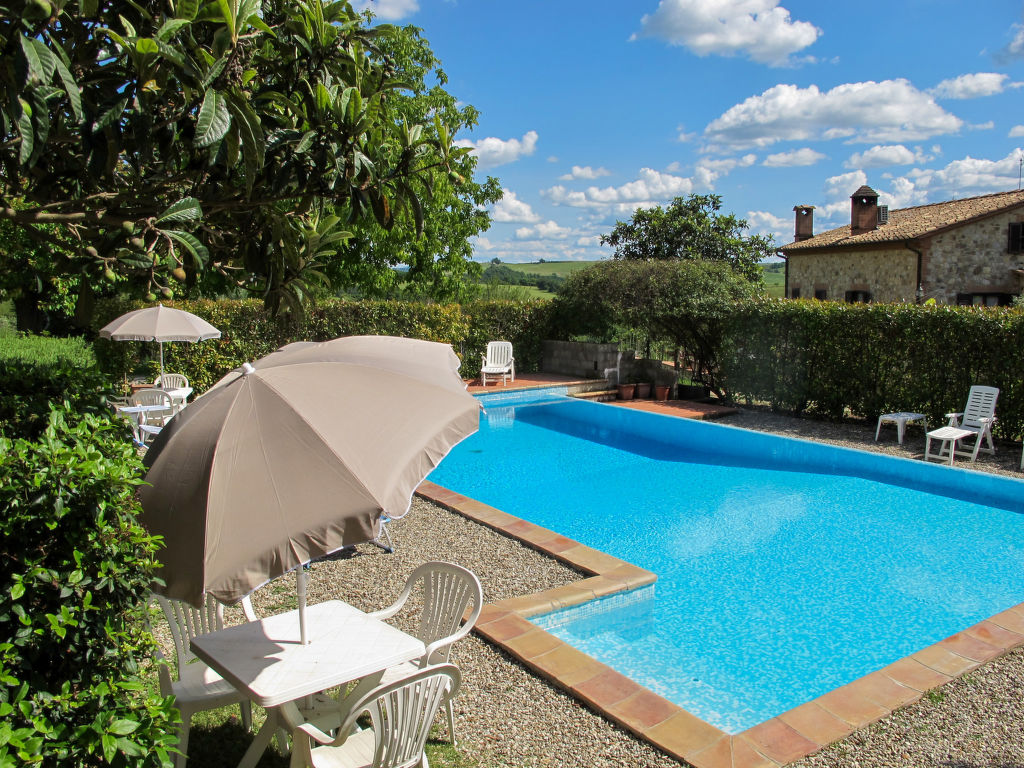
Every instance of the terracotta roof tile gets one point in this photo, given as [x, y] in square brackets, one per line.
[911, 223]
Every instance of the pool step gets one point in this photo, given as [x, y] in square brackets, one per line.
[598, 395]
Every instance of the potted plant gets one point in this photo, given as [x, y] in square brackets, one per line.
[643, 389]
[626, 391]
[661, 391]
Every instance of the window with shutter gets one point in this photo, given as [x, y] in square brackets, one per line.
[1015, 243]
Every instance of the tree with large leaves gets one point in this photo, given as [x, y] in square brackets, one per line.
[433, 243]
[691, 228]
[178, 142]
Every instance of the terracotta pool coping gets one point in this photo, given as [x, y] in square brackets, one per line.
[775, 742]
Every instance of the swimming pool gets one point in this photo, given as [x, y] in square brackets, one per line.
[786, 568]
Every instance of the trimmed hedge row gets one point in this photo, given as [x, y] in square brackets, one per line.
[248, 333]
[833, 359]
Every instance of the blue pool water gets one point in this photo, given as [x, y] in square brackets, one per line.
[785, 568]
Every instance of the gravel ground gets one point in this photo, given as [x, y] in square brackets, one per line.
[508, 717]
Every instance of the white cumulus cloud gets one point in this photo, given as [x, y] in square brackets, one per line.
[389, 10]
[971, 86]
[883, 155]
[968, 176]
[511, 208]
[585, 172]
[1017, 130]
[709, 170]
[546, 230]
[793, 159]
[1015, 48]
[650, 185]
[494, 152]
[760, 29]
[890, 110]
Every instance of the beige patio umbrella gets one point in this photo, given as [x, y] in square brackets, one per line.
[159, 324]
[297, 456]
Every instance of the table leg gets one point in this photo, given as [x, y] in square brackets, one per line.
[878, 428]
[901, 425]
[261, 741]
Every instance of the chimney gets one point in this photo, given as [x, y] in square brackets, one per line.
[804, 222]
[863, 210]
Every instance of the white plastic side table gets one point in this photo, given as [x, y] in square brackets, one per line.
[900, 419]
[948, 438]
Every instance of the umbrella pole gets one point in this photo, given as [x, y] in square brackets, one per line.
[300, 581]
[161, 362]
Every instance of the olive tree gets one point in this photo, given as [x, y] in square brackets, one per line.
[190, 142]
[685, 302]
[691, 228]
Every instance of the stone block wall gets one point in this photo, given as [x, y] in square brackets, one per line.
[889, 274]
[972, 259]
[586, 360]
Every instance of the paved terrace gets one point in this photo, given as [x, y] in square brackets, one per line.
[596, 387]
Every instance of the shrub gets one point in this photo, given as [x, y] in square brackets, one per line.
[76, 567]
[38, 370]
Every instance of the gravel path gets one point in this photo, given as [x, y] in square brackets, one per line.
[507, 717]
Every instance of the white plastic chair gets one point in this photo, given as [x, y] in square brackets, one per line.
[196, 686]
[978, 417]
[171, 381]
[150, 422]
[448, 590]
[401, 713]
[498, 361]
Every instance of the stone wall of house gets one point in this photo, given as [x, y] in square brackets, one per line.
[889, 275]
[972, 259]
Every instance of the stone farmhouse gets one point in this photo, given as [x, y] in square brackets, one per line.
[968, 251]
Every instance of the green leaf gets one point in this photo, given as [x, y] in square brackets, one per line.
[70, 88]
[186, 9]
[170, 27]
[200, 255]
[40, 60]
[214, 119]
[111, 116]
[123, 727]
[25, 131]
[186, 209]
[147, 46]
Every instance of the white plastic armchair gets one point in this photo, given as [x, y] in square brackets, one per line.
[196, 687]
[978, 416]
[171, 381]
[498, 361]
[448, 591]
[150, 422]
[400, 712]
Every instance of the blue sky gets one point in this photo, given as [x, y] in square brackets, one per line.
[592, 109]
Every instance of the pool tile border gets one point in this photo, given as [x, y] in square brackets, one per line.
[790, 736]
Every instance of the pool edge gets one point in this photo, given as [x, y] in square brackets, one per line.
[778, 741]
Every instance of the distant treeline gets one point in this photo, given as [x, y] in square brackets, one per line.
[499, 273]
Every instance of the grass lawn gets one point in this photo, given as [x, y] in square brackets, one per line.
[560, 268]
[775, 279]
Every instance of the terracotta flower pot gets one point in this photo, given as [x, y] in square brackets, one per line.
[643, 390]
[661, 392]
[626, 391]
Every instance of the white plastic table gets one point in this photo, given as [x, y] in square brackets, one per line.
[948, 438]
[179, 396]
[266, 661]
[134, 411]
[900, 419]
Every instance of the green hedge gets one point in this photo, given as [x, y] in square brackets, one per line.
[834, 359]
[248, 333]
[36, 371]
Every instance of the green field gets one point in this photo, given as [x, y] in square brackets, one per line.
[775, 279]
[560, 268]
